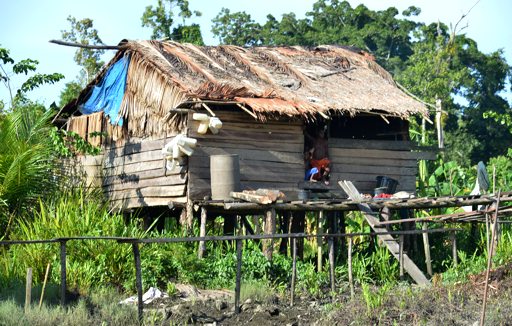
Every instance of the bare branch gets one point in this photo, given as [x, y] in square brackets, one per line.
[85, 46]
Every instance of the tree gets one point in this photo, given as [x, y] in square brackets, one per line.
[27, 67]
[26, 150]
[450, 67]
[83, 32]
[162, 20]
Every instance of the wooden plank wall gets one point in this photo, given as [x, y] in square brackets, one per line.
[361, 161]
[270, 153]
[134, 174]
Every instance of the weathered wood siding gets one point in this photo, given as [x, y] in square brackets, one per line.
[134, 174]
[361, 161]
[270, 153]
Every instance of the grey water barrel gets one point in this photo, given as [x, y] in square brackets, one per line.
[225, 175]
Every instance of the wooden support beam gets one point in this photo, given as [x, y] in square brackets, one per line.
[401, 257]
[319, 240]
[426, 248]
[202, 233]
[138, 281]
[63, 285]
[349, 262]
[454, 249]
[28, 290]
[270, 228]
[294, 271]
[238, 279]
[332, 264]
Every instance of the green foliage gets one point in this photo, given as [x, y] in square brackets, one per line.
[69, 143]
[107, 311]
[70, 92]
[236, 28]
[75, 213]
[374, 298]
[83, 32]
[22, 67]
[162, 20]
[26, 162]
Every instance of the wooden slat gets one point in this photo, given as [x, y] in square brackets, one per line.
[275, 145]
[94, 124]
[256, 175]
[141, 175]
[380, 170]
[110, 169]
[370, 144]
[172, 180]
[374, 162]
[146, 201]
[163, 191]
[79, 126]
[251, 154]
[375, 153]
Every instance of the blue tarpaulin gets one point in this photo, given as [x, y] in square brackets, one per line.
[108, 94]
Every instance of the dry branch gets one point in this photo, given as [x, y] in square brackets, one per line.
[87, 46]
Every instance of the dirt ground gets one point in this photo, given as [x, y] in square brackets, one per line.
[405, 304]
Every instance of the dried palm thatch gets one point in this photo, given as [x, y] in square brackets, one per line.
[273, 81]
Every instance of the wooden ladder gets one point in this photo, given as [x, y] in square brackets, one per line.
[392, 245]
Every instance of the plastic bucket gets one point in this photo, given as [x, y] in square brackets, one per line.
[224, 176]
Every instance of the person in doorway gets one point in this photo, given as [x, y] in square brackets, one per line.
[317, 156]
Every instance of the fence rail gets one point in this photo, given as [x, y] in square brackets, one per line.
[239, 244]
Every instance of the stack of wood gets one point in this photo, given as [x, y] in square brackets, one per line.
[260, 196]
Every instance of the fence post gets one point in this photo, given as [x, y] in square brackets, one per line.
[28, 290]
[319, 240]
[401, 256]
[138, 280]
[454, 249]
[202, 233]
[238, 275]
[426, 247]
[294, 270]
[349, 262]
[63, 284]
[270, 228]
[331, 264]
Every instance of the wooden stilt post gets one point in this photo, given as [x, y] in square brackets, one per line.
[63, 285]
[298, 224]
[332, 263]
[489, 259]
[256, 223]
[44, 284]
[426, 246]
[138, 280]
[238, 275]
[294, 270]
[319, 240]
[270, 228]
[349, 262]
[28, 290]
[401, 256]
[454, 249]
[202, 233]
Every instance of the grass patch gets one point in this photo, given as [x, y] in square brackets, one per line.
[101, 308]
[256, 291]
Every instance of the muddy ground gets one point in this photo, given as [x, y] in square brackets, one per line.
[404, 304]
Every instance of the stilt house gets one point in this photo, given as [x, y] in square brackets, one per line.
[266, 98]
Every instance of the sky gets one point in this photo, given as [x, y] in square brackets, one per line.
[26, 26]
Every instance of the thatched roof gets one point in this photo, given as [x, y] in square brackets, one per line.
[269, 81]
